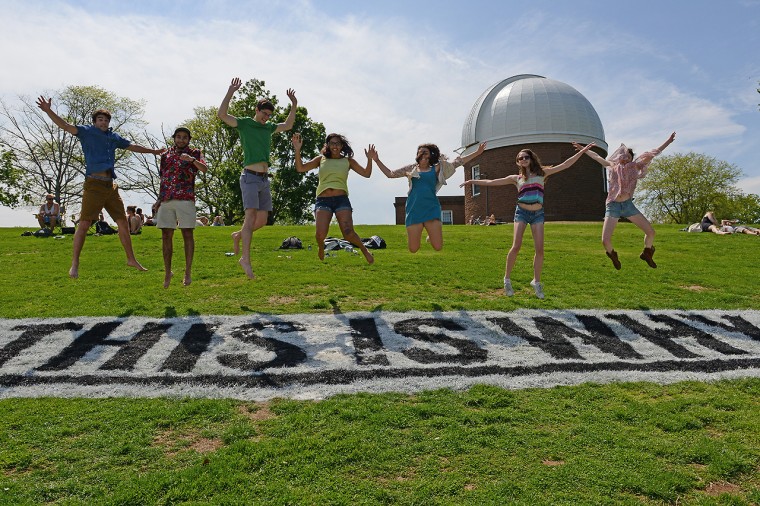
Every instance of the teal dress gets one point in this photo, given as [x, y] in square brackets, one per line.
[422, 203]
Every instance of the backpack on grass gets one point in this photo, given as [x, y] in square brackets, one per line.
[291, 243]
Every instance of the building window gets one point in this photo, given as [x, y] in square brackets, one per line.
[475, 175]
[447, 217]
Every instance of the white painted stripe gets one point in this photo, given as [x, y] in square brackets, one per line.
[308, 356]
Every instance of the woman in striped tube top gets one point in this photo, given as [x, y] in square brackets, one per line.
[529, 211]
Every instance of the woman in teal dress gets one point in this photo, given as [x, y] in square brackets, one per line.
[426, 177]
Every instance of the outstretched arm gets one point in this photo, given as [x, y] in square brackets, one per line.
[222, 112]
[136, 148]
[283, 127]
[474, 154]
[383, 168]
[667, 142]
[45, 105]
[300, 166]
[569, 162]
[604, 162]
[503, 181]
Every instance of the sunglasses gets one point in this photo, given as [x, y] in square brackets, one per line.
[523, 157]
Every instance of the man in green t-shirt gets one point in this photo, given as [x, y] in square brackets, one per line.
[256, 138]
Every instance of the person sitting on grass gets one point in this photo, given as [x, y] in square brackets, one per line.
[711, 224]
[50, 213]
[134, 221]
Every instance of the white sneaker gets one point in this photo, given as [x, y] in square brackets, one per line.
[508, 291]
[539, 288]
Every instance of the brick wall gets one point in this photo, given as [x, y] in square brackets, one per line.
[575, 194]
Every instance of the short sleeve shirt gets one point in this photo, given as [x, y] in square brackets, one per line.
[256, 139]
[177, 175]
[99, 147]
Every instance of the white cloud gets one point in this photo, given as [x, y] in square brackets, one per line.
[375, 79]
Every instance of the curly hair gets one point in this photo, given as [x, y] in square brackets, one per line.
[435, 153]
[346, 150]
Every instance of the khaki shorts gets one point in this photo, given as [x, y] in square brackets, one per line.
[98, 195]
[176, 214]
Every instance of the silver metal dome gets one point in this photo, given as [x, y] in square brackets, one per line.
[528, 109]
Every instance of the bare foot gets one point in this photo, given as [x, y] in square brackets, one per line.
[369, 257]
[74, 271]
[246, 265]
[321, 252]
[186, 280]
[168, 279]
[136, 265]
[236, 243]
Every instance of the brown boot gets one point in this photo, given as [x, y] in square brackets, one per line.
[647, 255]
[613, 256]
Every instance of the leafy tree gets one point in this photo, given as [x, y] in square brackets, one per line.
[51, 161]
[680, 188]
[745, 208]
[12, 188]
[218, 191]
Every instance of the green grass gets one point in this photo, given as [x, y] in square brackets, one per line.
[696, 271]
[634, 443]
[615, 444]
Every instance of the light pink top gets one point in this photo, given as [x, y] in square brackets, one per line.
[622, 178]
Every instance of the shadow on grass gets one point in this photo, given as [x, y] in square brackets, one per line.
[170, 312]
[335, 306]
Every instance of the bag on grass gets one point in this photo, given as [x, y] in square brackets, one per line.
[695, 227]
[43, 232]
[292, 243]
[374, 242]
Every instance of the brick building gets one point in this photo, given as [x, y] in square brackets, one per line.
[544, 115]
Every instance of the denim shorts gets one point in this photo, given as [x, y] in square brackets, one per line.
[529, 217]
[333, 204]
[622, 209]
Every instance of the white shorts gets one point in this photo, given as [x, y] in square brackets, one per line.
[176, 214]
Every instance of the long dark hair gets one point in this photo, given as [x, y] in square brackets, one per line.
[346, 150]
[535, 168]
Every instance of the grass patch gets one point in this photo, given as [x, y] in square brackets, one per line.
[465, 276]
[632, 443]
[636, 443]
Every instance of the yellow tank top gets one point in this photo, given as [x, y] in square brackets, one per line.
[333, 173]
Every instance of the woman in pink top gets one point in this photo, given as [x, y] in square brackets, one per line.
[623, 172]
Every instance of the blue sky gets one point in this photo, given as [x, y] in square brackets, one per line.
[401, 73]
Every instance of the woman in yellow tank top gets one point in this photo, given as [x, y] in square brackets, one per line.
[335, 162]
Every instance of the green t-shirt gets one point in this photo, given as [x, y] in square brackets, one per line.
[256, 139]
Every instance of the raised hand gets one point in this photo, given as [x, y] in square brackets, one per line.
[235, 84]
[292, 96]
[44, 104]
[370, 152]
[297, 141]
